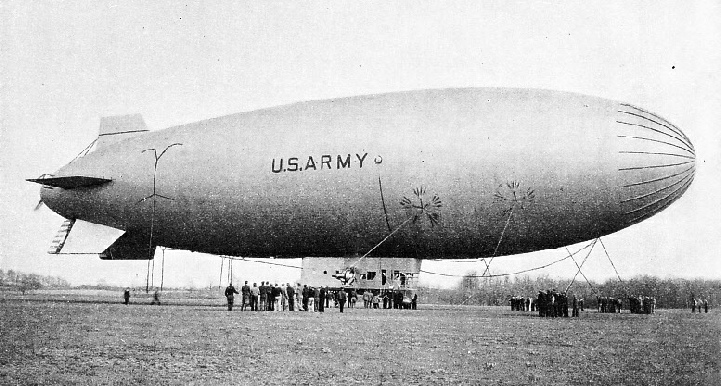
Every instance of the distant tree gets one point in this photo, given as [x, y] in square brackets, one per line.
[61, 282]
[11, 277]
[29, 282]
[2, 277]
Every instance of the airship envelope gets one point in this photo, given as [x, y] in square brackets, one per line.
[453, 173]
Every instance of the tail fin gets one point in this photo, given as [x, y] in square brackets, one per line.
[119, 127]
[84, 238]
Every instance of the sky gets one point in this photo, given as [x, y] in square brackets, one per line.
[66, 64]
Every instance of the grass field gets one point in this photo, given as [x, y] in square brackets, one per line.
[92, 339]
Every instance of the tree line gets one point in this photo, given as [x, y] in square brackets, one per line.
[23, 282]
[473, 289]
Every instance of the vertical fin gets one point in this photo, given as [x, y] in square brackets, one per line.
[119, 127]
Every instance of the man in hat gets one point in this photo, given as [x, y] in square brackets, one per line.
[229, 291]
[321, 297]
[291, 297]
[263, 289]
[342, 296]
[245, 291]
[254, 297]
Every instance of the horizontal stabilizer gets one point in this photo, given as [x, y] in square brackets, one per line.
[119, 127]
[131, 246]
[82, 237]
[70, 182]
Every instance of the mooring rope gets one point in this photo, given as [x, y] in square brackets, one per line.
[382, 241]
[162, 271]
[258, 261]
[593, 244]
[579, 270]
[609, 259]
[514, 273]
[495, 251]
[220, 279]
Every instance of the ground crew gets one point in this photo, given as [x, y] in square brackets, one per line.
[263, 289]
[575, 307]
[291, 297]
[341, 299]
[322, 294]
[254, 297]
[126, 296]
[245, 290]
[229, 291]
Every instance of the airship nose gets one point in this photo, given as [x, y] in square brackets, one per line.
[657, 163]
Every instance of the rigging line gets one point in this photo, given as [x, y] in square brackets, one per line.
[508, 220]
[514, 273]
[582, 263]
[579, 270]
[609, 259]
[152, 276]
[260, 262]
[382, 241]
[147, 277]
[162, 271]
[83, 152]
[220, 279]
[385, 210]
[150, 241]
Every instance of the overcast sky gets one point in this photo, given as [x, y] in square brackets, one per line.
[66, 64]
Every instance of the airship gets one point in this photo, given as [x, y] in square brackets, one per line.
[430, 174]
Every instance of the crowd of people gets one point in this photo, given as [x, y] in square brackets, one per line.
[549, 303]
[286, 297]
[641, 305]
[608, 304]
[391, 300]
[698, 304]
[519, 303]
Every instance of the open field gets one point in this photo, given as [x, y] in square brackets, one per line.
[90, 338]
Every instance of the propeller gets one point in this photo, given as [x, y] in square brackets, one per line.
[40, 201]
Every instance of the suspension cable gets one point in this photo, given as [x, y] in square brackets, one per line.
[220, 280]
[593, 244]
[514, 273]
[579, 270]
[609, 259]
[508, 221]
